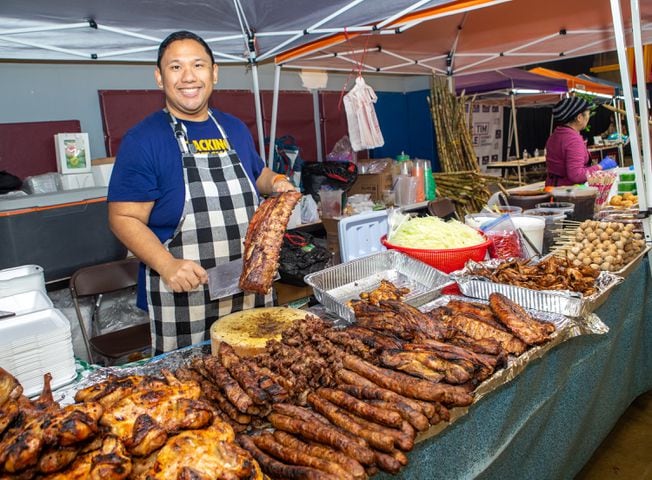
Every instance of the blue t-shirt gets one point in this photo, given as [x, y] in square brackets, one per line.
[148, 168]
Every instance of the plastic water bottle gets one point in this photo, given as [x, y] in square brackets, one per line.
[536, 152]
[525, 154]
[430, 182]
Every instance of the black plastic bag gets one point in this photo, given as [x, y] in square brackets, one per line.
[301, 254]
[9, 182]
[330, 175]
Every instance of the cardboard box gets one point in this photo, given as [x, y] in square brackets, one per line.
[332, 237]
[103, 161]
[286, 293]
[373, 184]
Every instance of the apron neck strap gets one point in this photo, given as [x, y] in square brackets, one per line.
[181, 132]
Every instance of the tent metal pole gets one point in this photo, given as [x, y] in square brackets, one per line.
[617, 18]
[642, 95]
[317, 122]
[259, 111]
[272, 133]
[518, 147]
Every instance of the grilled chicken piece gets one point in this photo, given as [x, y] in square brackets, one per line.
[10, 388]
[206, 454]
[115, 388]
[8, 412]
[21, 446]
[143, 419]
[110, 462]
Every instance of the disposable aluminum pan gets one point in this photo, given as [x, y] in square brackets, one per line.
[564, 302]
[335, 286]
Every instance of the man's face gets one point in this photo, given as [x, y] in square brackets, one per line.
[186, 77]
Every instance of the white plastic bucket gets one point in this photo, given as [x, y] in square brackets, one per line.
[531, 226]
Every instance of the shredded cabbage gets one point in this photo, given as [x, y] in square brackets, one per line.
[432, 233]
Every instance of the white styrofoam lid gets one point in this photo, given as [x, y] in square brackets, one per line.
[32, 327]
[21, 271]
[25, 302]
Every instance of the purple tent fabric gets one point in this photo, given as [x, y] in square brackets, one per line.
[507, 79]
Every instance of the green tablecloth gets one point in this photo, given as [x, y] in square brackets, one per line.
[547, 422]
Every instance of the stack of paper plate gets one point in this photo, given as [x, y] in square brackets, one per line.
[35, 343]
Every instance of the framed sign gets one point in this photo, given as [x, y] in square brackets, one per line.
[73, 153]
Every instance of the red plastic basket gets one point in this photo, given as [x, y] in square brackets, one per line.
[446, 260]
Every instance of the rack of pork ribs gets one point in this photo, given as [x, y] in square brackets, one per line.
[262, 246]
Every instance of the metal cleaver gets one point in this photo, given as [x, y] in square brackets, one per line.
[223, 279]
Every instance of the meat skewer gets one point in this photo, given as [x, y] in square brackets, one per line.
[409, 386]
[322, 451]
[280, 470]
[326, 434]
[268, 443]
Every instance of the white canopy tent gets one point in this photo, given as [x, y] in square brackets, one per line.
[246, 32]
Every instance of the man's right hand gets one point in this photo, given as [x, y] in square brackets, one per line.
[183, 275]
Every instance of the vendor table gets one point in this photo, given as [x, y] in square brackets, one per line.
[548, 421]
[516, 165]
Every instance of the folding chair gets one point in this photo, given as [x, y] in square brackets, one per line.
[95, 281]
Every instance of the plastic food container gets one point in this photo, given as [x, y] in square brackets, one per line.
[527, 200]
[582, 198]
[511, 209]
[626, 187]
[533, 227]
[553, 218]
[566, 208]
[627, 177]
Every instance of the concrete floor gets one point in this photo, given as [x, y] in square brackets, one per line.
[626, 453]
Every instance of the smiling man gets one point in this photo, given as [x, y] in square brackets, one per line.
[185, 184]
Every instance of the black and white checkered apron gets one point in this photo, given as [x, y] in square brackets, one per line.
[220, 199]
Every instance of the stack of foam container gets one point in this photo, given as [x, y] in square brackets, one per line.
[35, 338]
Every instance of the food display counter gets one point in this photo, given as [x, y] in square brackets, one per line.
[451, 390]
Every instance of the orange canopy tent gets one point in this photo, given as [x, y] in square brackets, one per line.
[470, 36]
[576, 83]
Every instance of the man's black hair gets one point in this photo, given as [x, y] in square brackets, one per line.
[182, 35]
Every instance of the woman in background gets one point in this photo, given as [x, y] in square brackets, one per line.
[567, 159]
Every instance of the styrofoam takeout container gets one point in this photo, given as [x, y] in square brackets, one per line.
[21, 279]
[25, 302]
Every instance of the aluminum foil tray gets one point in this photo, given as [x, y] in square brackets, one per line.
[564, 302]
[627, 269]
[335, 286]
